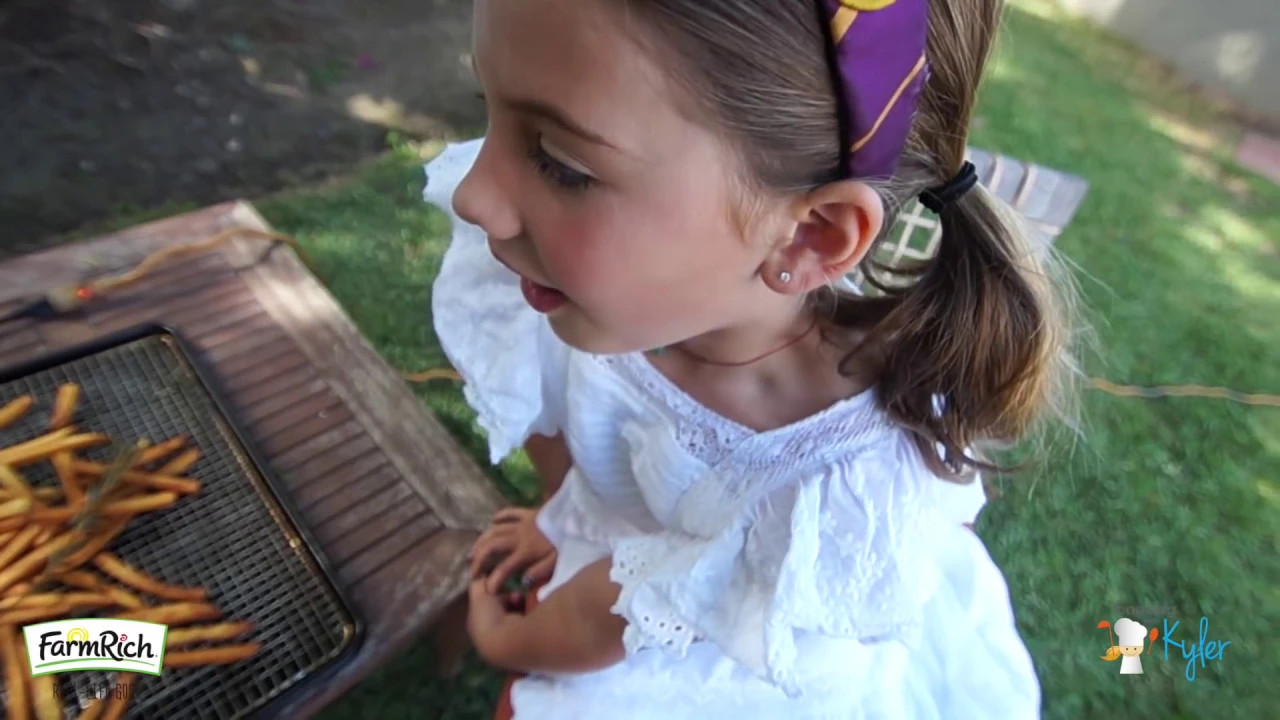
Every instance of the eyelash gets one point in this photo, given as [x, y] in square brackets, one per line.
[557, 172]
[553, 169]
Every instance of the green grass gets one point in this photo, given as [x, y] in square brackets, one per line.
[1162, 502]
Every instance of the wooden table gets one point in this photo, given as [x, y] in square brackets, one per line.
[393, 501]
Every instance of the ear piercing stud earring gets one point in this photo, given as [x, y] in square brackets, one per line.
[784, 276]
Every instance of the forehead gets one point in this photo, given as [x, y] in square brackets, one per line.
[576, 55]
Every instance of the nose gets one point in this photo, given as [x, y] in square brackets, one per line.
[482, 199]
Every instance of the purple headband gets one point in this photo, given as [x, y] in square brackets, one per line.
[879, 67]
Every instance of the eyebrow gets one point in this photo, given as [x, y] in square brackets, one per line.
[548, 112]
[551, 113]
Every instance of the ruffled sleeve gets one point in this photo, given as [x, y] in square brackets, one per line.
[512, 363]
[839, 553]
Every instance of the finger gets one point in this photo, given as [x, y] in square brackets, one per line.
[496, 531]
[476, 593]
[511, 514]
[510, 565]
[483, 556]
[486, 548]
[541, 571]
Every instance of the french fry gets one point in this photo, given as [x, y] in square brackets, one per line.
[14, 484]
[120, 697]
[63, 465]
[18, 590]
[44, 694]
[159, 451]
[82, 579]
[180, 464]
[224, 655]
[123, 598]
[207, 633]
[69, 603]
[39, 600]
[120, 570]
[94, 710]
[64, 406]
[6, 537]
[41, 448]
[31, 563]
[26, 616]
[117, 509]
[15, 684]
[88, 581]
[16, 506]
[174, 614]
[96, 543]
[45, 495]
[185, 486]
[24, 539]
[15, 409]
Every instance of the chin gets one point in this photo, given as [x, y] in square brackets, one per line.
[587, 337]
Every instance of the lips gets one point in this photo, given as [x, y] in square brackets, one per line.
[541, 298]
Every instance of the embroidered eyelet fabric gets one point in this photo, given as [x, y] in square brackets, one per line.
[816, 570]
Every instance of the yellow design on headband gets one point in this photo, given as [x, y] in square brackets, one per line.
[889, 106]
[866, 4]
[841, 22]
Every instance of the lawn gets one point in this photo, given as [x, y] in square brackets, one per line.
[1166, 503]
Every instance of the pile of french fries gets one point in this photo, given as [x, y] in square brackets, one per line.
[56, 561]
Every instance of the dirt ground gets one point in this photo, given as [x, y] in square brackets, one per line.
[112, 106]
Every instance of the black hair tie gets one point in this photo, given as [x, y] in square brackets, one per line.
[940, 198]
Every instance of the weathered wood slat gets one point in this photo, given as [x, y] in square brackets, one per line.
[219, 314]
[394, 543]
[327, 503]
[17, 340]
[265, 399]
[382, 507]
[312, 447]
[275, 367]
[215, 341]
[334, 458]
[21, 354]
[248, 342]
[296, 425]
[364, 526]
[231, 367]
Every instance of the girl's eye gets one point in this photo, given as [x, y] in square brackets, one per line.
[558, 172]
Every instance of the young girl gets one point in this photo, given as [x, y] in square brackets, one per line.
[758, 480]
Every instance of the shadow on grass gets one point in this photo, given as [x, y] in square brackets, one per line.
[1162, 503]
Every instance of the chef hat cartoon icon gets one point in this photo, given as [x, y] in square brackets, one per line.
[1130, 633]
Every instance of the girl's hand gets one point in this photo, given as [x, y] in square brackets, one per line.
[487, 617]
[514, 534]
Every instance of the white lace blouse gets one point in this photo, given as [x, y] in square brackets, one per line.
[817, 570]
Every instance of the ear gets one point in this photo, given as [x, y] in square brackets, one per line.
[833, 227]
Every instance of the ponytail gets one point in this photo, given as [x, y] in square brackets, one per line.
[973, 351]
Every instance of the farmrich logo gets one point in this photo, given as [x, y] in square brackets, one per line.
[95, 644]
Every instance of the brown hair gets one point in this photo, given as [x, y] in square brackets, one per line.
[973, 349]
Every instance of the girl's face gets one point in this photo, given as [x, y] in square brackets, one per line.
[613, 207]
